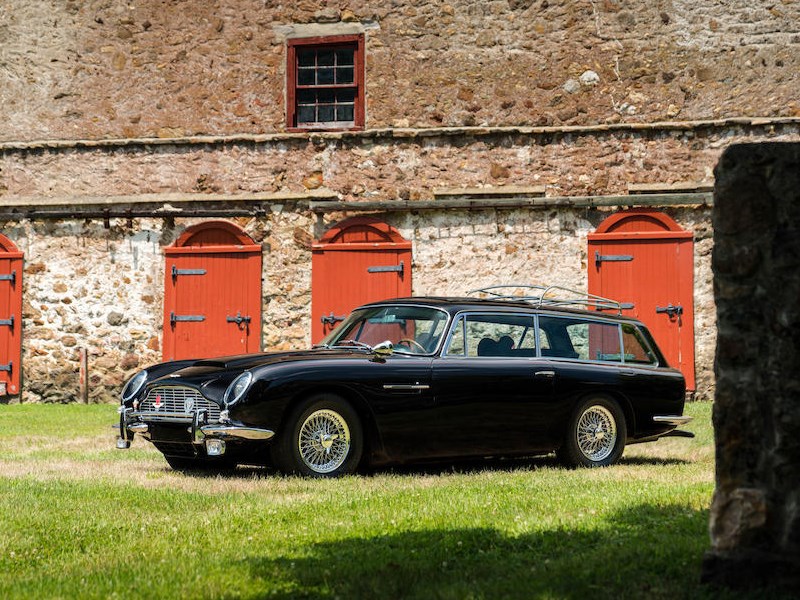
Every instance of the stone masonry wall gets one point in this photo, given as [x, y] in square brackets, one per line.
[153, 68]
[755, 514]
[101, 289]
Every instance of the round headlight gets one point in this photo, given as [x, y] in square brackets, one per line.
[134, 385]
[237, 388]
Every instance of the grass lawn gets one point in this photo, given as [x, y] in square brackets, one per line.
[79, 518]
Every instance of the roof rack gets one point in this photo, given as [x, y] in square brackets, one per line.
[550, 295]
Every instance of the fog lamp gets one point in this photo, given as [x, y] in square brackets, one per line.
[215, 447]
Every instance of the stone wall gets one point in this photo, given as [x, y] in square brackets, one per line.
[104, 103]
[101, 289]
[88, 286]
[103, 69]
[755, 515]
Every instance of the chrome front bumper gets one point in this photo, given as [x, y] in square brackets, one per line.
[132, 422]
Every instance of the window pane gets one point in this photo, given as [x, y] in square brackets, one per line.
[305, 114]
[345, 56]
[456, 347]
[326, 96]
[344, 75]
[344, 112]
[306, 96]
[499, 335]
[306, 58]
[636, 350]
[325, 57]
[345, 96]
[325, 113]
[305, 76]
[324, 76]
[578, 338]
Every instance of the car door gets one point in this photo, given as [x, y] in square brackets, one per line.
[491, 398]
[401, 398]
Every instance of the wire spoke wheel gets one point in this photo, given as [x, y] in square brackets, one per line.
[324, 441]
[596, 433]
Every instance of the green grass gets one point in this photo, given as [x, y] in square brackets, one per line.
[81, 519]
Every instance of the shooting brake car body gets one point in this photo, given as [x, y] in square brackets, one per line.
[416, 379]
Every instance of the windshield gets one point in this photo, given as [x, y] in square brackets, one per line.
[411, 329]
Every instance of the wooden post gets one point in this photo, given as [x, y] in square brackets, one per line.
[83, 376]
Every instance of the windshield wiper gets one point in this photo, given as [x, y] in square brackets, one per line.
[355, 343]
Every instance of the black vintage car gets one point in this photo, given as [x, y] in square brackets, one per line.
[416, 379]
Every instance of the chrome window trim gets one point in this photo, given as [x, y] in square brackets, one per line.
[467, 313]
[462, 315]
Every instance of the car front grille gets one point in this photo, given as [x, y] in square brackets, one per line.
[178, 399]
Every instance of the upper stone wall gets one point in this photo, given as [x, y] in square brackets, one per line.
[104, 69]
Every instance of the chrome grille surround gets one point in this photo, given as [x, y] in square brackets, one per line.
[177, 400]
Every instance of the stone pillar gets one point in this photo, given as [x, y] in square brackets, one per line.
[755, 514]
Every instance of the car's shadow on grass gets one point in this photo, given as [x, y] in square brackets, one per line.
[643, 551]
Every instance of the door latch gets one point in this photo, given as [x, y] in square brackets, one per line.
[671, 311]
[331, 319]
[238, 319]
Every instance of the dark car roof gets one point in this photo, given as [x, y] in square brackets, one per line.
[453, 304]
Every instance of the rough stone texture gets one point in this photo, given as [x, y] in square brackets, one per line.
[755, 515]
[101, 70]
[102, 289]
[365, 167]
[152, 68]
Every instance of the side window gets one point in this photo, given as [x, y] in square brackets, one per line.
[500, 335]
[636, 349]
[455, 345]
[580, 339]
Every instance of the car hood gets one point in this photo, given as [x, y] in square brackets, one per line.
[213, 375]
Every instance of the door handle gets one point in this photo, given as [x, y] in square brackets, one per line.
[670, 311]
[627, 373]
[544, 374]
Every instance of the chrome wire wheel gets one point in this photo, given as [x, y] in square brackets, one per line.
[596, 433]
[324, 441]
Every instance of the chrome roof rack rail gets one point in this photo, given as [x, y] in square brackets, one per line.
[549, 295]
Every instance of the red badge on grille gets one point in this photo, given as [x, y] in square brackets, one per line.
[157, 404]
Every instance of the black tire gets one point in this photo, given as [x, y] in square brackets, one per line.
[596, 434]
[199, 465]
[322, 437]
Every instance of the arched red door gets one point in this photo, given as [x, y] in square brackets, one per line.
[212, 293]
[359, 260]
[10, 317]
[643, 258]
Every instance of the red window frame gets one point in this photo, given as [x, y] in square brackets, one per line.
[292, 86]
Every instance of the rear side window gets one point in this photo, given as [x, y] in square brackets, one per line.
[636, 348]
[579, 339]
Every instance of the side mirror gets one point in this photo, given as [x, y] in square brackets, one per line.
[383, 349]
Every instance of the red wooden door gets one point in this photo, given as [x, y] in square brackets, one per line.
[212, 295]
[10, 317]
[359, 260]
[643, 258]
